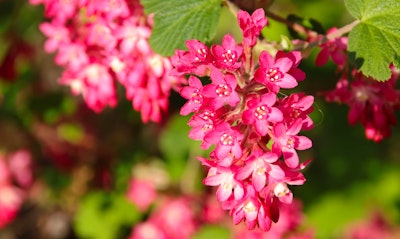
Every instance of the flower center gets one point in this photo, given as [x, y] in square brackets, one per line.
[261, 112]
[207, 127]
[274, 75]
[361, 94]
[281, 190]
[229, 56]
[223, 90]
[290, 143]
[249, 207]
[201, 54]
[226, 139]
[197, 98]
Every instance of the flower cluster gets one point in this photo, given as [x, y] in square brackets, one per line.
[254, 132]
[371, 102]
[15, 177]
[100, 41]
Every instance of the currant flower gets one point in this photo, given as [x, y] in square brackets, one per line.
[274, 72]
[261, 113]
[286, 141]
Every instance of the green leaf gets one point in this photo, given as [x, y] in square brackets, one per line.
[176, 21]
[212, 231]
[374, 43]
[103, 216]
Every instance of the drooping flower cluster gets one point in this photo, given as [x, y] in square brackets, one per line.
[371, 102]
[15, 176]
[251, 129]
[100, 41]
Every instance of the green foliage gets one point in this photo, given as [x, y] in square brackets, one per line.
[212, 231]
[176, 21]
[103, 216]
[176, 150]
[374, 42]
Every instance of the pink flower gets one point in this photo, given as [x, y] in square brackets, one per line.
[251, 26]
[147, 230]
[297, 106]
[274, 72]
[227, 55]
[172, 215]
[261, 113]
[222, 90]
[58, 35]
[335, 48]
[227, 140]
[286, 141]
[142, 193]
[202, 124]
[260, 166]
[228, 185]
[295, 57]
[11, 199]
[194, 96]
[21, 168]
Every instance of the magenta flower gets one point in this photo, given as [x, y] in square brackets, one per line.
[224, 178]
[260, 166]
[261, 113]
[222, 90]
[297, 106]
[251, 26]
[295, 56]
[227, 140]
[274, 72]
[335, 48]
[286, 141]
[193, 95]
[57, 35]
[227, 56]
[247, 209]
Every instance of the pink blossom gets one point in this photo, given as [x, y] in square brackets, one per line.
[286, 141]
[260, 166]
[21, 168]
[261, 113]
[274, 72]
[222, 90]
[172, 214]
[58, 35]
[227, 140]
[295, 57]
[297, 106]
[228, 185]
[11, 199]
[251, 26]
[335, 48]
[193, 94]
[142, 193]
[147, 230]
[227, 55]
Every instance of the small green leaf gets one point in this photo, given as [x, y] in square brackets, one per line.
[103, 216]
[212, 231]
[176, 21]
[374, 43]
